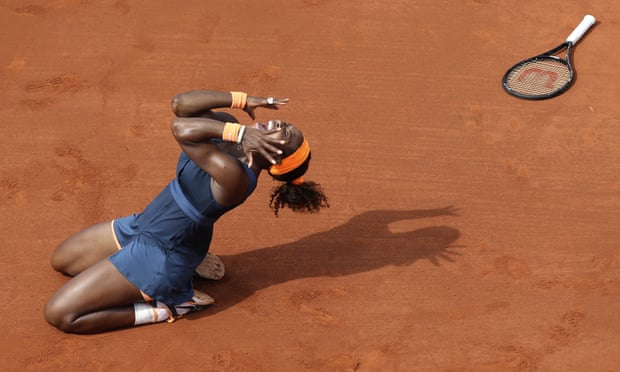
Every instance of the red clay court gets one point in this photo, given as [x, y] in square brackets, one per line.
[468, 231]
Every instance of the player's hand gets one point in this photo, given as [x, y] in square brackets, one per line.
[260, 141]
[271, 103]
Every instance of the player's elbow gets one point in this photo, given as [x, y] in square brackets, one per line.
[178, 106]
[174, 103]
[180, 131]
[176, 128]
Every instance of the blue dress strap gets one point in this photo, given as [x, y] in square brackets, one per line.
[186, 206]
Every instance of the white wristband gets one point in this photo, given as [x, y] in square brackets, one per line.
[241, 133]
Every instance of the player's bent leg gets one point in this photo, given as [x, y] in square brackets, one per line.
[98, 299]
[84, 248]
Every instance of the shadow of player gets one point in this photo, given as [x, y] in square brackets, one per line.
[364, 243]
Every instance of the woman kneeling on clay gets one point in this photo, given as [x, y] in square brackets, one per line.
[139, 269]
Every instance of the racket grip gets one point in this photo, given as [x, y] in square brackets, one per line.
[587, 22]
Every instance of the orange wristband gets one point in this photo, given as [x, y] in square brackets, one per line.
[239, 100]
[231, 132]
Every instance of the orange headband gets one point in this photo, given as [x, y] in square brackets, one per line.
[292, 161]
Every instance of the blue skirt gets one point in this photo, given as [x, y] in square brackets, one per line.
[160, 249]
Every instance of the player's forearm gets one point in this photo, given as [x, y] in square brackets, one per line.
[195, 102]
[196, 130]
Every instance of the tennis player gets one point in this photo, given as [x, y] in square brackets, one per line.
[139, 269]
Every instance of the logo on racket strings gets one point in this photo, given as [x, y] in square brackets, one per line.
[552, 76]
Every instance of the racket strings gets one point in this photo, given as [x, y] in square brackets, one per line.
[539, 77]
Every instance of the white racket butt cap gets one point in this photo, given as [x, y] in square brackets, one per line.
[583, 27]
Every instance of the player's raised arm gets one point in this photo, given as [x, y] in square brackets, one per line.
[197, 102]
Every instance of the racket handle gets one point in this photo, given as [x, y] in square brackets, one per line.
[587, 22]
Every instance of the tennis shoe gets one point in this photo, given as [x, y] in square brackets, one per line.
[210, 268]
[200, 301]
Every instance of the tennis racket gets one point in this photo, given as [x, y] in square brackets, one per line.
[546, 75]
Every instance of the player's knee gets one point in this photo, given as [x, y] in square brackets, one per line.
[62, 260]
[57, 262]
[60, 263]
[56, 315]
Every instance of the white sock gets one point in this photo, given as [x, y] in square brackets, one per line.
[145, 313]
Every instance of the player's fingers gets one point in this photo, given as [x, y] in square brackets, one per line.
[272, 149]
[270, 132]
[271, 152]
[272, 102]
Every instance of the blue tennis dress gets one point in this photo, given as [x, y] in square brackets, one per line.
[163, 245]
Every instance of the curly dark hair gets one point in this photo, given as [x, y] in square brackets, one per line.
[307, 197]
